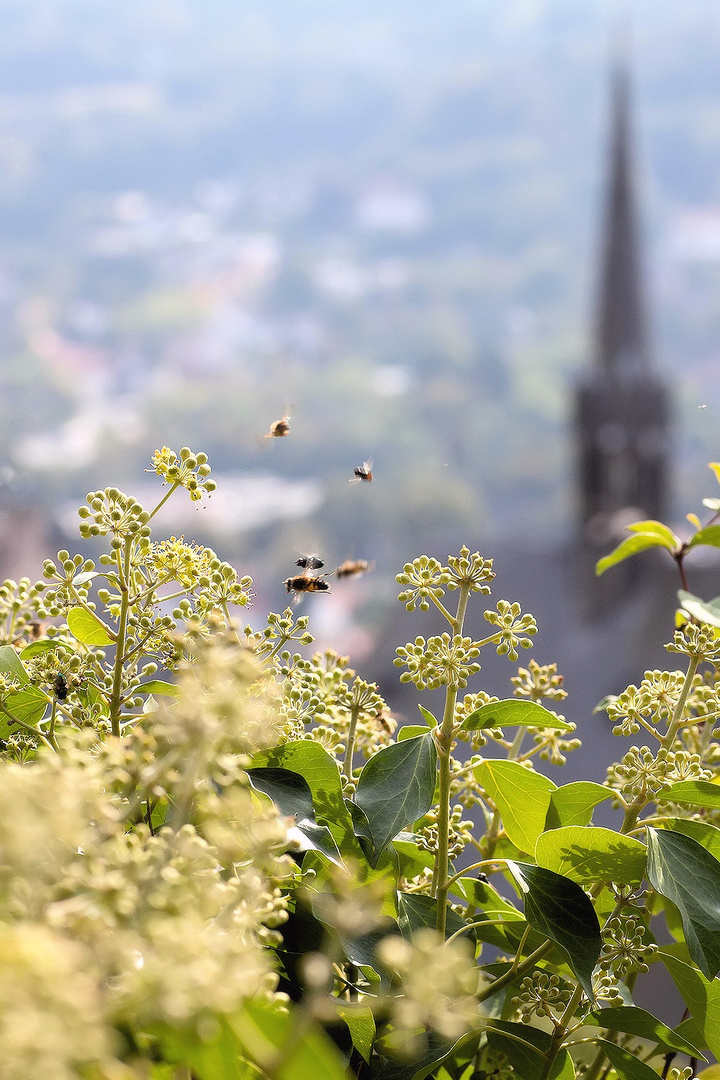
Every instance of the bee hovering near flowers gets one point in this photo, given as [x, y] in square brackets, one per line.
[363, 472]
[309, 562]
[305, 583]
[279, 428]
[353, 568]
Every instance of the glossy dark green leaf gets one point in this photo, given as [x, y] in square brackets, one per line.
[701, 793]
[361, 949]
[559, 909]
[706, 611]
[322, 775]
[527, 1064]
[710, 536]
[521, 796]
[683, 871]
[293, 798]
[634, 1021]
[701, 995]
[505, 924]
[573, 804]
[417, 911]
[590, 854]
[631, 546]
[513, 713]
[88, 628]
[626, 1065]
[397, 786]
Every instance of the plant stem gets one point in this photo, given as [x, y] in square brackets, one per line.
[115, 696]
[511, 975]
[350, 747]
[165, 498]
[679, 712]
[559, 1033]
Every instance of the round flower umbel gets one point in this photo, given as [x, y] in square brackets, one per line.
[424, 578]
[542, 995]
[441, 661]
[515, 628]
[624, 946]
[538, 681]
[112, 512]
[187, 470]
[696, 641]
[472, 571]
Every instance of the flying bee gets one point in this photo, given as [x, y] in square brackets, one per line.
[60, 687]
[353, 568]
[278, 428]
[363, 472]
[309, 562]
[305, 583]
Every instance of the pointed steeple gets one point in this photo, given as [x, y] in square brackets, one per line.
[622, 408]
[621, 342]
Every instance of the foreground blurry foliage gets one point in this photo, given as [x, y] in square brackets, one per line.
[220, 859]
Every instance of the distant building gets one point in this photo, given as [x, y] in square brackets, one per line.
[602, 632]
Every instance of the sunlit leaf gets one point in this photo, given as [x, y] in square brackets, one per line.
[513, 713]
[397, 786]
[88, 628]
[694, 793]
[710, 536]
[159, 687]
[628, 1066]
[590, 854]
[293, 798]
[706, 611]
[702, 831]
[687, 874]
[416, 911]
[427, 716]
[559, 909]
[271, 1038]
[361, 1025]
[521, 796]
[656, 528]
[634, 1021]
[631, 546]
[573, 804]
[701, 995]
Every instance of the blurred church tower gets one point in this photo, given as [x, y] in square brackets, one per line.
[622, 414]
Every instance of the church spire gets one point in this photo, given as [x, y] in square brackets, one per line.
[622, 409]
[621, 342]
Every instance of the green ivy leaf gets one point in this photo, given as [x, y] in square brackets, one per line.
[573, 804]
[626, 1065]
[293, 798]
[513, 713]
[268, 1035]
[682, 870]
[526, 1063]
[701, 996]
[710, 536]
[159, 687]
[590, 854]
[39, 648]
[656, 528]
[428, 717]
[361, 1025]
[631, 546]
[410, 731]
[88, 628]
[397, 786]
[437, 1049]
[706, 611]
[322, 775]
[416, 911]
[28, 704]
[521, 796]
[708, 836]
[693, 793]
[558, 908]
[634, 1021]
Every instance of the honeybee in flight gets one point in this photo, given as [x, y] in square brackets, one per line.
[354, 567]
[305, 583]
[278, 428]
[363, 472]
[309, 562]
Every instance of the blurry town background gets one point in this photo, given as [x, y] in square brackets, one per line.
[381, 219]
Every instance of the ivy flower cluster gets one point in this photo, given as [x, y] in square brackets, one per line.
[440, 661]
[624, 946]
[185, 469]
[643, 775]
[514, 628]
